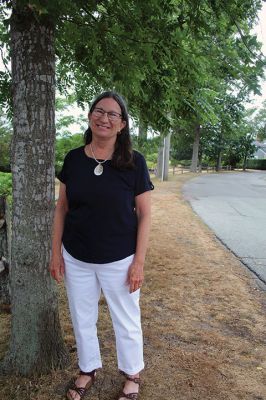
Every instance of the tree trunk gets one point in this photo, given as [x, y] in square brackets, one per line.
[163, 158]
[160, 160]
[200, 162]
[219, 161]
[4, 265]
[166, 156]
[220, 150]
[142, 129]
[195, 155]
[245, 163]
[36, 344]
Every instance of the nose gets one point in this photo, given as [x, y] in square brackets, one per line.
[104, 117]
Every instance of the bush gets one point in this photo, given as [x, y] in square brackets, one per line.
[63, 146]
[238, 165]
[5, 184]
[256, 164]
[152, 158]
[151, 165]
[184, 163]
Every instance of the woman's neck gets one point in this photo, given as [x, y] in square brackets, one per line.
[100, 150]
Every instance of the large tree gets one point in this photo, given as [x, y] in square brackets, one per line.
[36, 343]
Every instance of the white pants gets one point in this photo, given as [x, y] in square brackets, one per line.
[84, 282]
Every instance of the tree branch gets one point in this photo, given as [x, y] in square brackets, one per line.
[244, 40]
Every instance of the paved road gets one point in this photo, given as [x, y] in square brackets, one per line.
[233, 205]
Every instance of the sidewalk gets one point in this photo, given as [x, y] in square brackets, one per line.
[203, 318]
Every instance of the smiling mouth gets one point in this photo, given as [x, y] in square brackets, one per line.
[103, 126]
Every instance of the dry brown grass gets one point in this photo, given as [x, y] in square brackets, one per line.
[203, 319]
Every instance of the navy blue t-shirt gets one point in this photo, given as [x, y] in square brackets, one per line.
[101, 224]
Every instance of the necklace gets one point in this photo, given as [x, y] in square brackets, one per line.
[98, 170]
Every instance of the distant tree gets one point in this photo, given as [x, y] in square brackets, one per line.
[246, 149]
[181, 147]
[258, 122]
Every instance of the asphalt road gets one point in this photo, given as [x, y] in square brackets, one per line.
[233, 205]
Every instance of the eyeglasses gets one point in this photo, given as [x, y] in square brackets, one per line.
[112, 115]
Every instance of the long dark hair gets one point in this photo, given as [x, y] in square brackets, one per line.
[123, 154]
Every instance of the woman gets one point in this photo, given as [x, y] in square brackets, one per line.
[100, 238]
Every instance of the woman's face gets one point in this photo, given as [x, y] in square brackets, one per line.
[105, 119]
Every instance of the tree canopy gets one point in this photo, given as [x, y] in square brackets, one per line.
[170, 59]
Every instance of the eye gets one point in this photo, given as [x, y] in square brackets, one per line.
[99, 111]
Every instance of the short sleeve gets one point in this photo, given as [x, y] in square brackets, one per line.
[62, 176]
[143, 182]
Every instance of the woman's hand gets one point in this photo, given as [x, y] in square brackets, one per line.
[135, 276]
[57, 267]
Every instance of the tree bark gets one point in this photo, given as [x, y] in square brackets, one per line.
[36, 344]
[166, 156]
[200, 162]
[220, 147]
[4, 265]
[160, 160]
[245, 162]
[218, 166]
[163, 158]
[195, 155]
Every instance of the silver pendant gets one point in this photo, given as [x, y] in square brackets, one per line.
[98, 170]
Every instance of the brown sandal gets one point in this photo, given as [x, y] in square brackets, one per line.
[130, 396]
[81, 391]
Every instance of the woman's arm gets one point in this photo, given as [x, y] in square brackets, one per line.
[143, 210]
[57, 266]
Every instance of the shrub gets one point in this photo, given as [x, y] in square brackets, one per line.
[184, 163]
[256, 164]
[152, 158]
[5, 184]
[151, 165]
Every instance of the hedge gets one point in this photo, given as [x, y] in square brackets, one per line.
[5, 184]
[256, 164]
